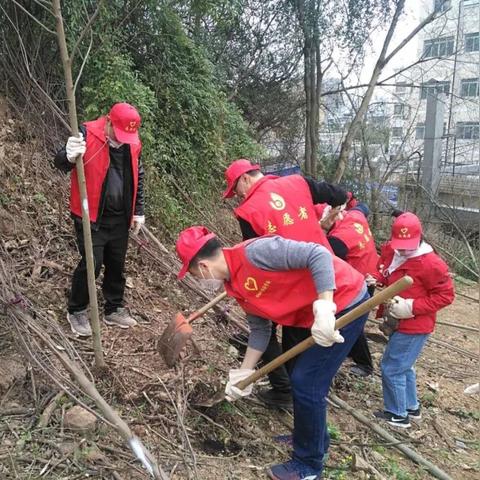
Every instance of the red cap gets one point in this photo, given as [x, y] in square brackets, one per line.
[125, 122]
[234, 172]
[406, 232]
[189, 243]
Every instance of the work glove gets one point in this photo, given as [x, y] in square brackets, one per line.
[401, 307]
[137, 222]
[236, 375]
[75, 146]
[323, 328]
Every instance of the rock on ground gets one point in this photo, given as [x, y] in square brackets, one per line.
[80, 420]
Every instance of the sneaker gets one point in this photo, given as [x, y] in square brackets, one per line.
[120, 318]
[414, 414]
[293, 470]
[360, 370]
[276, 398]
[392, 419]
[80, 323]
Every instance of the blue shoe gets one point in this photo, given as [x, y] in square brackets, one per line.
[293, 470]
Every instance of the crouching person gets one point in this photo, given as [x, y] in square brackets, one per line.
[294, 284]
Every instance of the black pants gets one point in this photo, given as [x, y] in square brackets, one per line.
[291, 336]
[360, 352]
[110, 243]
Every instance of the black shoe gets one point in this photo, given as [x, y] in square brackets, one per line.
[361, 370]
[414, 414]
[276, 398]
[392, 419]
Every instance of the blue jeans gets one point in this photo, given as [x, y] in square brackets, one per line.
[398, 375]
[311, 378]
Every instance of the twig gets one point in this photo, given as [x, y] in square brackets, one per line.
[429, 466]
[50, 408]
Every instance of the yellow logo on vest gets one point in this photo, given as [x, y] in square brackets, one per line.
[277, 202]
[358, 228]
[251, 284]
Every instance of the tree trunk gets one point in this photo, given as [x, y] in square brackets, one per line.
[87, 233]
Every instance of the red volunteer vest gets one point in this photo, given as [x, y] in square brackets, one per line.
[282, 206]
[284, 297]
[96, 162]
[355, 233]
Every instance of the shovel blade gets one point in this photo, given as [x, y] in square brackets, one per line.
[174, 339]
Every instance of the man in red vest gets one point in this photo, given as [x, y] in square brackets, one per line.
[281, 206]
[110, 147]
[295, 284]
[351, 240]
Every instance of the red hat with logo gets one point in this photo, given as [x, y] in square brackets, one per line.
[406, 232]
[125, 122]
[351, 201]
[234, 172]
[189, 243]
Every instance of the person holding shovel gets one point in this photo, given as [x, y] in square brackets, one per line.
[414, 310]
[284, 206]
[110, 147]
[295, 284]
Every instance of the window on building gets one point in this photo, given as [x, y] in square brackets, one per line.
[438, 47]
[469, 87]
[441, 5]
[397, 132]
[468, 130]
[420, 131]
[433, 87]
[401, 87]
[472, 42]
[398, 109]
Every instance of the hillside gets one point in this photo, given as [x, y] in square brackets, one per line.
[228, 441]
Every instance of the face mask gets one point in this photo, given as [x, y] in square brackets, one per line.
[211, 285]
[114, 143]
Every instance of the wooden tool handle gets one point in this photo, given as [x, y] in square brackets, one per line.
[206, 307]
[344, 320]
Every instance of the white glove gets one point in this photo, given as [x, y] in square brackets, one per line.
[75, 146]
[323, 328]
[236, 375]
[370, 280]
[138, 221]
[401, 307]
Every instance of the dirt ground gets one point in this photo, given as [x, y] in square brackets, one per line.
[228, 441]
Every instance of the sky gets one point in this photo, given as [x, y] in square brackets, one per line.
[406, 24]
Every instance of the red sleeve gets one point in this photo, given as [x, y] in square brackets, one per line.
[440, 289]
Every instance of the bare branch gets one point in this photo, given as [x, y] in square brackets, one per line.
[33, 17]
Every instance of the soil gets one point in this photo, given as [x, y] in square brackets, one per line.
[226, 441]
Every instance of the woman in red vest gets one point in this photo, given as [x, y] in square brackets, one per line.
[294, 284]
[110, 147]
[415, 309]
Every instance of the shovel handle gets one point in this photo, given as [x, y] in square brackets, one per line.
[344, 320]
[206, 307]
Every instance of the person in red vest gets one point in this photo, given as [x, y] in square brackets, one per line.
[295, 284]
[282, 206]
[110, 147]
[415, 310]
[351, 240]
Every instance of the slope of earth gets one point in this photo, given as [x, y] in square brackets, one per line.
[227, 441]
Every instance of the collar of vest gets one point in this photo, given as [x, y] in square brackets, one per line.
[97, 128]
[258, 184]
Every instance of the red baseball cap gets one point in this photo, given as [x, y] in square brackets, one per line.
[406, 232]
[234, 172]
[189, 243]
[125, 122]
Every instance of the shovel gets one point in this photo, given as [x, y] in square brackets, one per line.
[179, 331]
[381, 297]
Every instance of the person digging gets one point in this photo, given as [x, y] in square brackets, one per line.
[110, 146]
[282, 206]
[296, 284]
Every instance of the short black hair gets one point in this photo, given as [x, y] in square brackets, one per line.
[209, 250]
[396, 212]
